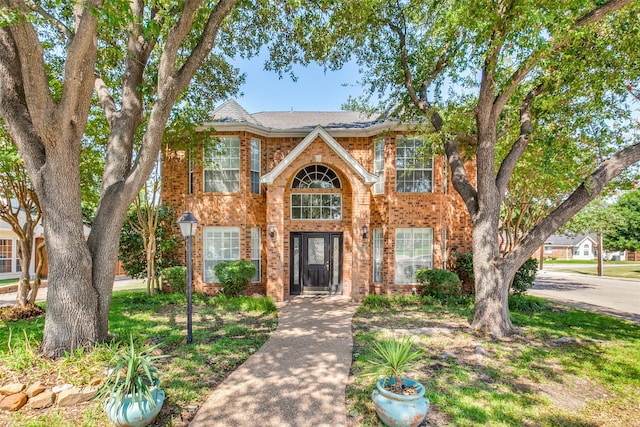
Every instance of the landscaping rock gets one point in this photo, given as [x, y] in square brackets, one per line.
[12, 388]
[42, 400]
[59, 388]
[13, 402]
[95, 382]
[35, 389]
[73, 396]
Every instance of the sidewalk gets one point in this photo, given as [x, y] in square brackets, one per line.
[119, 283]
[297, 378]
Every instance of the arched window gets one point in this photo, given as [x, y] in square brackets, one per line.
[316, 176]
[322, 199]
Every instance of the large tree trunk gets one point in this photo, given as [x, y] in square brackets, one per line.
[72, 301]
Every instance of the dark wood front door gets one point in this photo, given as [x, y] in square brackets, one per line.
[316, 263]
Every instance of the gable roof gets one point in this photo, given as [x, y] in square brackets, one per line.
[311, 119]
[367, 177]
[232, 112]
[564, 240]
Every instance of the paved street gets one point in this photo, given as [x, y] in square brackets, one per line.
[607, 295]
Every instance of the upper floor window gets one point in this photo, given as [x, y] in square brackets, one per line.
[222, 166]
[325, 205]
[378, 165]
[255, 166]
[414, 170]
[316, 176]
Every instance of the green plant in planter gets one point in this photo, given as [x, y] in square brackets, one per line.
[393, 359]
[134, 376]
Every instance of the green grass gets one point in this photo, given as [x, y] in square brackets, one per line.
[225, 332]
[8, 282]
[587, 261]
[629, 272]
[591, 379]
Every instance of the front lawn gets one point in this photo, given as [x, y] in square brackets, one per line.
[622, 271]
[225, 332]
[567, 368]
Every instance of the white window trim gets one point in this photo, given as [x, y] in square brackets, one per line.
[404, 138]
[427, 264]
[378, 187]
[205, 168]
[256, 245]
[205, 249]
[251, 169]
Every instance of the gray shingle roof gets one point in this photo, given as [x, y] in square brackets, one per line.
[232, 112]
[563, 240]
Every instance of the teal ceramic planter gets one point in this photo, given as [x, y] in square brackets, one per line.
[397, 410]
[134, 414]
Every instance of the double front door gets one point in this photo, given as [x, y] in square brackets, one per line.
[316, 263]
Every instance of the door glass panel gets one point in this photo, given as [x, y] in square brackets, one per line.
[296, 260]
[316, 250]
[335, 279]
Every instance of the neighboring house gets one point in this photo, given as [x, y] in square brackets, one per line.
[10, 267]
[321, 202]
[559, 246]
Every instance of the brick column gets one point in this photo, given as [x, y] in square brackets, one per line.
[275, 244]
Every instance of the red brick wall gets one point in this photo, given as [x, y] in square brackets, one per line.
[442, 209]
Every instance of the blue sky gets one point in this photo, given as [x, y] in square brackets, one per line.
[314, 90]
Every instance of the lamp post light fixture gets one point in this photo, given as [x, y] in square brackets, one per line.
[272, 230]
[188, 224]
[365, 232]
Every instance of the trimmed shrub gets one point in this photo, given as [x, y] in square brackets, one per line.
[461, 263]
[176, 278]
[235, 276]
[440, 284]
[526, 274]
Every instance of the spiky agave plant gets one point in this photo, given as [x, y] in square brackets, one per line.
[393, 359]
[134, 373]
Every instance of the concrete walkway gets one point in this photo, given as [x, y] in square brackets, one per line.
[297, 378]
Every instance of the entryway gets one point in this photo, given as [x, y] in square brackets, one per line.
[316, 263]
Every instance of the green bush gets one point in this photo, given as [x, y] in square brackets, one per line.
[376, 301]
[527, 304]
[461, 263]
[440, 284]
[176, 278]
[235, 276]
[525, 276]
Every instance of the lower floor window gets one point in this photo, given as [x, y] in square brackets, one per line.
[220, 244]
[377, 255]
[414, 250]
[6, 255]
[255, 253]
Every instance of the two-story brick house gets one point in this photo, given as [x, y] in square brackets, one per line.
[321, 202]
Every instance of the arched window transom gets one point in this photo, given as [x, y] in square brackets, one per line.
[316, 194]
[316, 176]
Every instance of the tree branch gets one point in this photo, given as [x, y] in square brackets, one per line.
[586, 192]
[459, 177]
[37, 8]
[518, 148]
[516, 78]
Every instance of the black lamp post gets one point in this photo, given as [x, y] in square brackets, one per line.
[188, 224]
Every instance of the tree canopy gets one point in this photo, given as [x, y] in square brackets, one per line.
[501, 85]
[111, 75]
